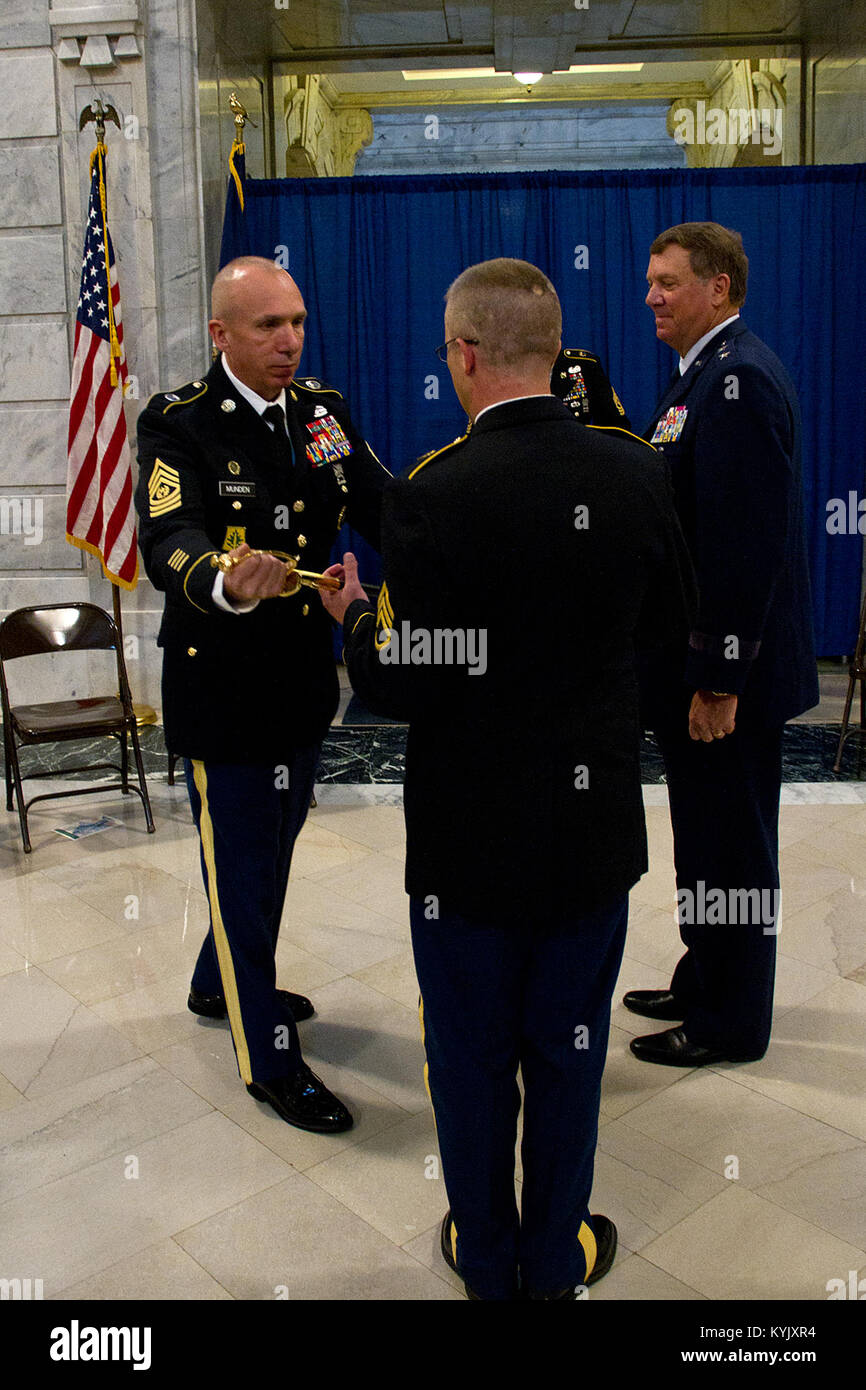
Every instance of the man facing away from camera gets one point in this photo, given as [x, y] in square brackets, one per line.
[524, 564]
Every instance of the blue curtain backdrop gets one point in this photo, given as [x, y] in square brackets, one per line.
[374, 256]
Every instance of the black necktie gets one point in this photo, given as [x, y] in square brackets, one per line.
[274, 415]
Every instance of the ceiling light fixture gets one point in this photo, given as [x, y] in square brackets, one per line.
[603, 67]
[528, 79]
[431, 74]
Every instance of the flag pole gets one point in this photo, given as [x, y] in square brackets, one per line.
[99, 113]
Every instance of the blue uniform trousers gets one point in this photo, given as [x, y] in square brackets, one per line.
[495, 998]
[724, 803]
[247, 826]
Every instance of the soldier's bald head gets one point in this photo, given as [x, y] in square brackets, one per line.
[258, 323]
[238, 277]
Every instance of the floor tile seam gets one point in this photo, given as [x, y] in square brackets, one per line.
[844, 1134]
[93, 946]
[314, 926]
[642, 1100]
[642, 1172]
[357, 1143]
[352, 842]
[130, 938]
[357, 1215]
[157, 1135]
[811, 1220]
[95, 1163]
[248, 1196]
[209, 1273]
[732, 1076]
[639, 1133]
[330, 888]
[636, 1255]
[79, 1004]
[101, 1273]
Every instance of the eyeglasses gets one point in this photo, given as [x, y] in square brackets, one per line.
[442, 350]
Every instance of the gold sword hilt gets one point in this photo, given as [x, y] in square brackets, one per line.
[295, 579]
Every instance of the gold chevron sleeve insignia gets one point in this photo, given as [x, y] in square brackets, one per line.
[177, 560]
[384, 611]
[163, 488]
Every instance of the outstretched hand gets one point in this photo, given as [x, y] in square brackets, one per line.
[336, 603]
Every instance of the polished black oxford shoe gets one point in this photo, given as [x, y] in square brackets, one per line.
[304, 1100]
[605, 1249]
[673, 1049]
[654, 1003]
[214, 1005]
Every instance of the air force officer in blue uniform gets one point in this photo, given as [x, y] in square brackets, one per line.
[729, 427]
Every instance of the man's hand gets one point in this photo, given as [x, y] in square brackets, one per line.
[261, 576]
[336, 603]
[711, 716]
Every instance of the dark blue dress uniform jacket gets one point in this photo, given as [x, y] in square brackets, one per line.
[737, 476]
[560, 543]
[246, 688]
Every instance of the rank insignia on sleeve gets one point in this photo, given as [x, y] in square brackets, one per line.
[235, 536]
[617, 402]
[163, 488]
[670, 426]
[328, 443]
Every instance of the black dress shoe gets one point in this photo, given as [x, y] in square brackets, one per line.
[304, 1100]
[214, 1005]
[673, 1049]
[605, 1242]
[654, 1003]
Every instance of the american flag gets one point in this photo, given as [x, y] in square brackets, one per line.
[99, 511]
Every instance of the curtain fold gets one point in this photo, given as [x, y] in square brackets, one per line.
[374, 256]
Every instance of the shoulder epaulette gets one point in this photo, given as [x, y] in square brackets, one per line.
[626, 434]
[312, 383]
[437, 453]
[164, 400]
[580, 354]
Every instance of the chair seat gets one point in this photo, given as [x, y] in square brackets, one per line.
[68, 718]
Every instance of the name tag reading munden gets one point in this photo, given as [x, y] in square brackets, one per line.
[237, 489]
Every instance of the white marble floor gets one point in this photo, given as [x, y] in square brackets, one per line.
[133, 1164]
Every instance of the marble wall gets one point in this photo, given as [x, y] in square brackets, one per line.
[139, 55]
[36, 563]
[471, 139]
[840, 107]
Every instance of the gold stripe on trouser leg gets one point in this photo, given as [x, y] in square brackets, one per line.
[432, 1106]
[590, 1250]
[223, 950]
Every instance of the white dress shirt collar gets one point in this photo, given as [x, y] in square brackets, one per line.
[258, 403]
[540, 396]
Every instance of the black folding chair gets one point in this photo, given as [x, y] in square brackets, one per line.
[73, 627]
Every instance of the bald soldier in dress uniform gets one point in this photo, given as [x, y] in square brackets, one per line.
[579, 379]
[251, 457]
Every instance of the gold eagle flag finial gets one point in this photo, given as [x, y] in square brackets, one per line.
[100, 113]
[240, 115]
